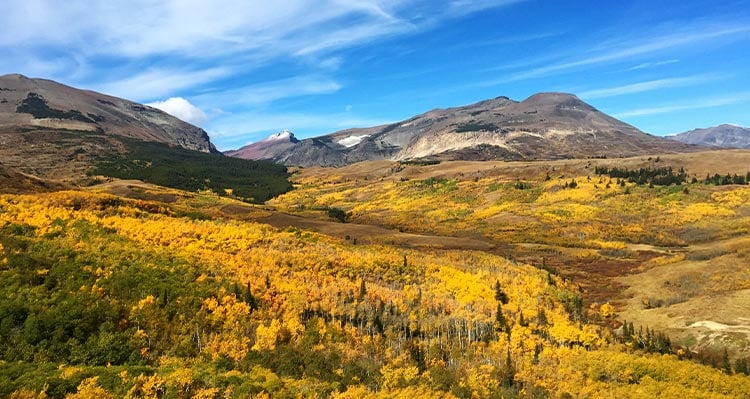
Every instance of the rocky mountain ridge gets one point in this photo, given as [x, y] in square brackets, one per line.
[726, 135]
[543, 126]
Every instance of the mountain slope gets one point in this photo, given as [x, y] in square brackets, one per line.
[43, 104]
[57, 132]
[726, 135]
[544, 126]
[52, 136]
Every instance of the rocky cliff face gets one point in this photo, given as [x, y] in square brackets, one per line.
[544, 126]
[726, 135]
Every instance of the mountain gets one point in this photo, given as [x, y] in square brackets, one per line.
[57, 132]
[269, 148]
[44, 104]
[726, 135]
[544, 126]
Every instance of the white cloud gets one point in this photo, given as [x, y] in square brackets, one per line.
[203, 29]
[183, 109]
[648, 86]
[219, 39]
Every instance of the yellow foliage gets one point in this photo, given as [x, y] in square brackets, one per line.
[267, 336]
[398, 373]
[89, 389]
[734, 198]
[694, 212]
[67, 372]
[28, 394]
[607, 310]
[206, 393]
[482, 380]
[146, 387]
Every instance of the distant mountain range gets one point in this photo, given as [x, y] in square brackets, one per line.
[544, 126]
[726, 135]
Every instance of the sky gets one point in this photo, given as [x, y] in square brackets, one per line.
[244, 70]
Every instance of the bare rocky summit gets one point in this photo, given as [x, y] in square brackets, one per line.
[544, 126]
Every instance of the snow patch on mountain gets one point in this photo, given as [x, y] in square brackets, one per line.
[351, 141]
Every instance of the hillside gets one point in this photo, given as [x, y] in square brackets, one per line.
[108, 297]
[728, 136]
[544, 126]
[662, 239]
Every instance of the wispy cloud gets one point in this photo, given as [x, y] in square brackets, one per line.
[159, 82]
[652, 64]
[619, 51]
[736, 98]
[462, 7]
[649, 86]
[167, 35]
[268, 92]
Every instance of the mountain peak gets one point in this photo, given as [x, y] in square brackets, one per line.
[31, 103]
[16, 76]
[283, 135]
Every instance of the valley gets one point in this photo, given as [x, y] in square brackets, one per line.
[666, 257]
[486, 254]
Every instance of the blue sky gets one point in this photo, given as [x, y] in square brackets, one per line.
[245, 71]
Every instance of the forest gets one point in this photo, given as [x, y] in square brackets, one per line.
[251, 181]
[113, 297]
